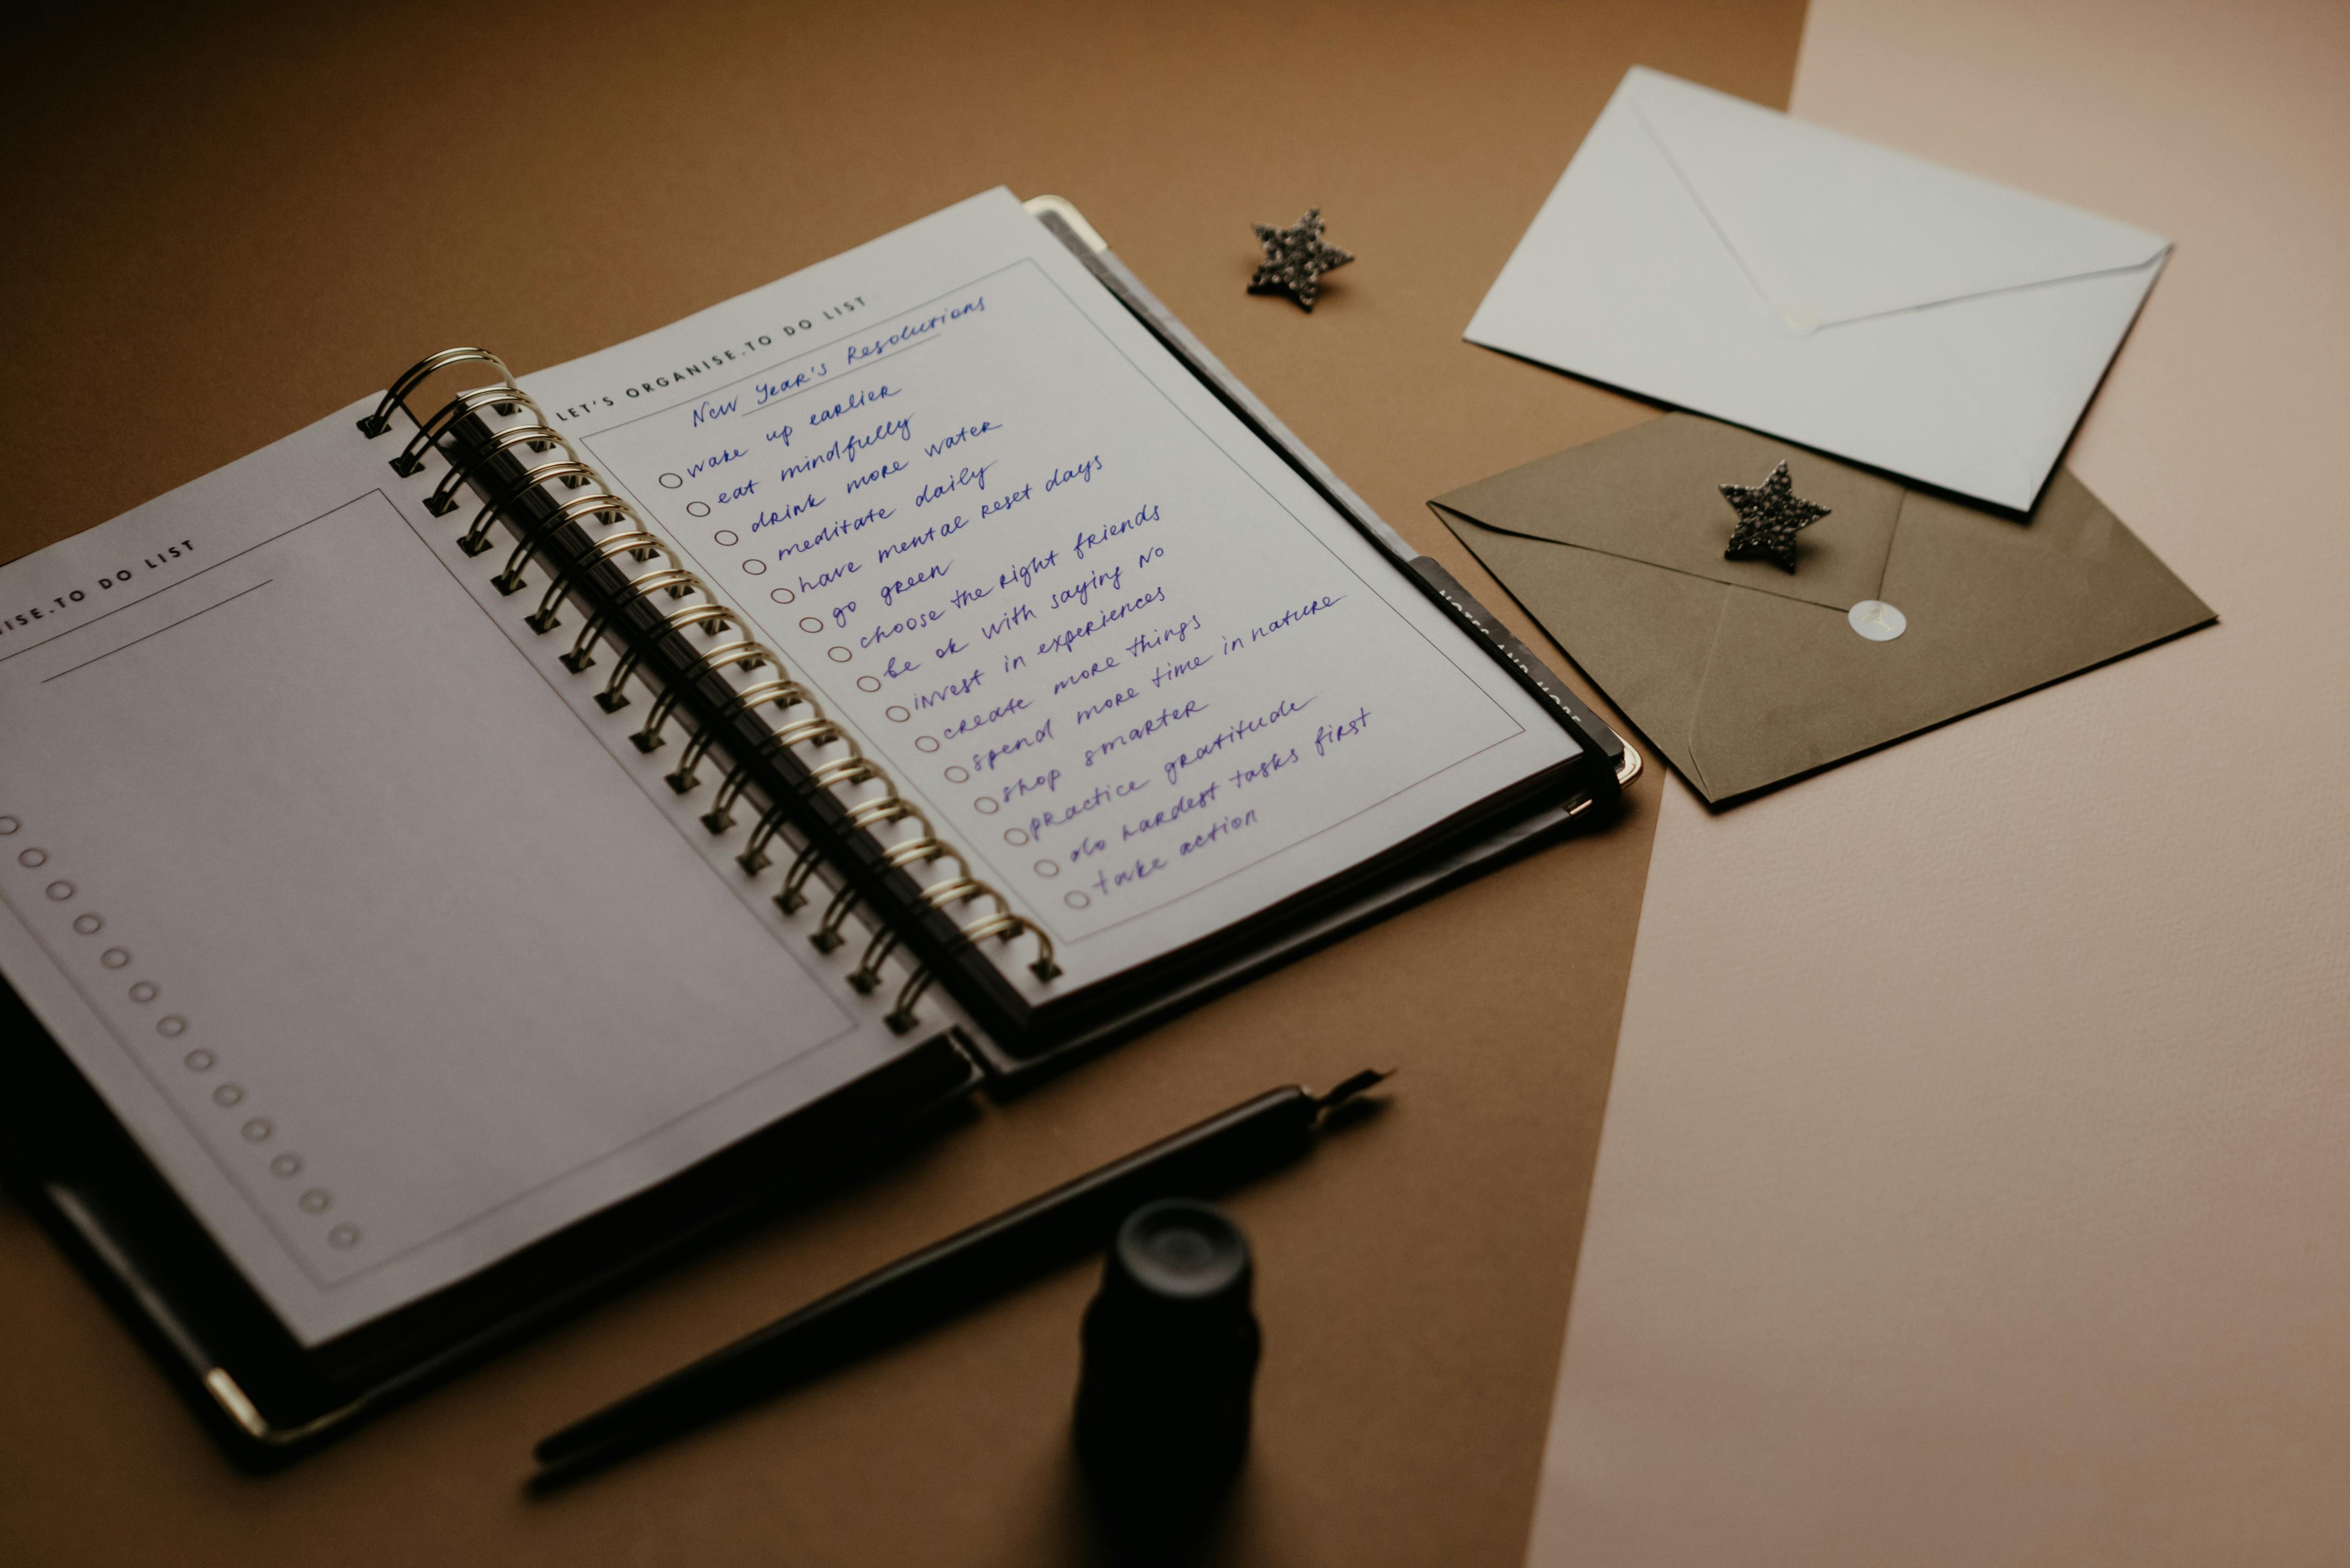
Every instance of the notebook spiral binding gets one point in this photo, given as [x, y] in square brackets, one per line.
[798, 718]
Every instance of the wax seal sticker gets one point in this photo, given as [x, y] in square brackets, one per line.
[1877, 621]
[1296, 258]
[1770, 515]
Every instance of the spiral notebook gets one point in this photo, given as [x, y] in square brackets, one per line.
[450, 853]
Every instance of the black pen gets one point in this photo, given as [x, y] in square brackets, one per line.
[945, 1278]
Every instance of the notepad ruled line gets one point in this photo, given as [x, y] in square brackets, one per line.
[159, 631]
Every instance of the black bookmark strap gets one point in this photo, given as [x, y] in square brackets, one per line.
[1532, 672]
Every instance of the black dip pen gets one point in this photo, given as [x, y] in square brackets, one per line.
[947, 1277]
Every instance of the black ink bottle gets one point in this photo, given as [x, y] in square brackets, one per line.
[1170, 1351]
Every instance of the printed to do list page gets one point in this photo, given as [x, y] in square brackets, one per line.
[1139, 671]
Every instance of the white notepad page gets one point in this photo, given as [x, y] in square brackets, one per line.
[1116, 650]
[384, 943]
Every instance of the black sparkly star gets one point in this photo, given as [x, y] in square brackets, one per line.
[1770, 515]
[1294, 259]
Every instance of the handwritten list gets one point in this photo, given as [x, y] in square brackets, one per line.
[1129, 671]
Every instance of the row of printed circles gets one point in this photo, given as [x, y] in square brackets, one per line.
[256, 1130]
[987, 805]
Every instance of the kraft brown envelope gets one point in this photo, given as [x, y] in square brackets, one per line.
[1745, 675]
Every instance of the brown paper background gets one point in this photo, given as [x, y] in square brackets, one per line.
[220, 230]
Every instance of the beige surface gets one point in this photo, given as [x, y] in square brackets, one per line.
[224, 225]
[1990, 1208]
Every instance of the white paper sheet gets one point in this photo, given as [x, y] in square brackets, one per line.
[1115, 648]
[363, 922]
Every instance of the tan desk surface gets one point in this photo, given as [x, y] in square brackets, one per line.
[222, 228]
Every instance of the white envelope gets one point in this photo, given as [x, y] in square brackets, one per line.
[1707, 252]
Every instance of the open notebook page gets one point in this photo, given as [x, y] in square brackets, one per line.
[1116, 649]
[386, 947]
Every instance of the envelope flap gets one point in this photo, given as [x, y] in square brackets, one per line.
[1652, 494]
[1993, 610]
[1833, 229]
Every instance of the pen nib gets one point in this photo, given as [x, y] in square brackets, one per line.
[1353, 1086]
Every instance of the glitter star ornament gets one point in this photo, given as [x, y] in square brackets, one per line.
[1294, 259]
[1770, 515]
